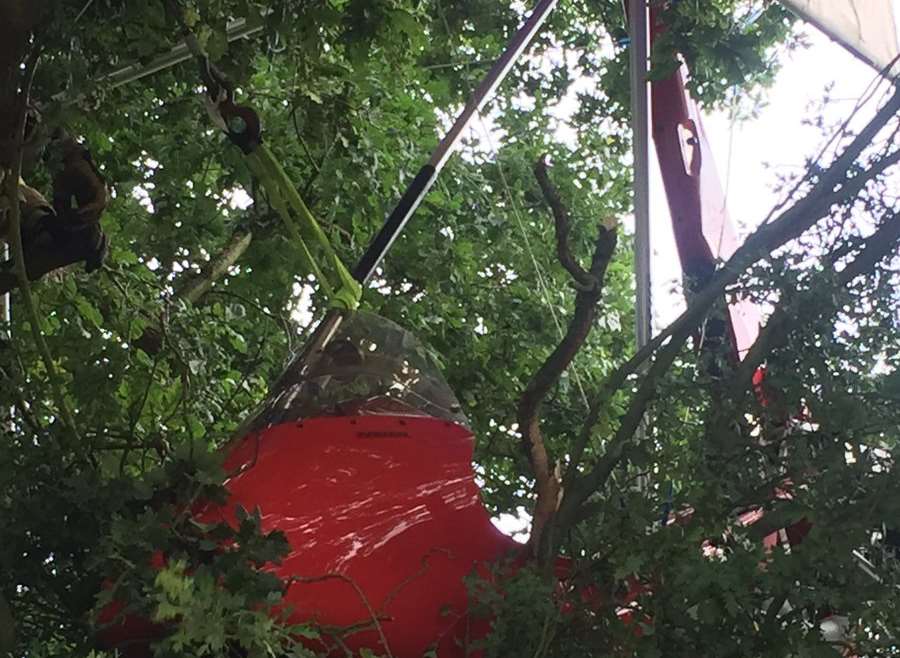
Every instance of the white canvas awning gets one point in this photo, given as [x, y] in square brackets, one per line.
[867, 28]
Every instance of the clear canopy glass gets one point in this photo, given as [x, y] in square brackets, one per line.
[369, 366]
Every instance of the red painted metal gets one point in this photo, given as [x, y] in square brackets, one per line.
[704, 232]
[383, 516]
[362, 458]
[384, 519]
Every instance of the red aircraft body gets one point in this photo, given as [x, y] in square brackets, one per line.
[364, 461]
[362, 457]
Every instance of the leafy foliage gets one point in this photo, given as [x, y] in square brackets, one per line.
[353, 95]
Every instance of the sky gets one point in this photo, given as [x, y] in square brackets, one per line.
[750, 154]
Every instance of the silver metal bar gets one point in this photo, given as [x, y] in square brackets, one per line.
[7, 416]
[641, 148]
[870, 569]
[236, 29]
[5, 310]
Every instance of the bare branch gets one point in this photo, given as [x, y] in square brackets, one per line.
[194, 288]
[590, 289]
[561, 220]
[833, 187]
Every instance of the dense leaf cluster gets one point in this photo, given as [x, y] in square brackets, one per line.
[354, 94]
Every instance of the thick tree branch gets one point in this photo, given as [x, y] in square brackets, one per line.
[561, 225]
[590, 289]
[833, 187]
[196, 287]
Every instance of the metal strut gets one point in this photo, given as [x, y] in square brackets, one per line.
[640, 122]
[240, 28]
[423, 181]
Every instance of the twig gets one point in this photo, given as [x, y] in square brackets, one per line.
[879, 245]
[832, 188]
[282, 322]
[422, 570]
[22, 405]
[309, 580]
[302, 141]
[139, 409]
[83, 9]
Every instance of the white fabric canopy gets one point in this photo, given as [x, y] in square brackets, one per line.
[867, 28]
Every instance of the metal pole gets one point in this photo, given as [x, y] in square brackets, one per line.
[237, 29]
[420, 185]
[6, 416]
[638, 18]
[641, 149]
[5, 314]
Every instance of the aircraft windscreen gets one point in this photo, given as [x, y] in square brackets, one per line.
[370, 366]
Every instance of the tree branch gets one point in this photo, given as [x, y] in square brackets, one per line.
[15, 238]
[590, 289]
[881, 244]
[561, 225]
[194, 288]
[833, 187]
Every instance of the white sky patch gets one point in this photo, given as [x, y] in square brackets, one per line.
[142, 194]
[499, 270]
[750, 155]
[480, 328]
[517, 526]
[237, 198]
[301, 312]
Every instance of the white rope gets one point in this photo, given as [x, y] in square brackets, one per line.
[542, 281]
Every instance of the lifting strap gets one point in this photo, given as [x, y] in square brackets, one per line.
[242, 126]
